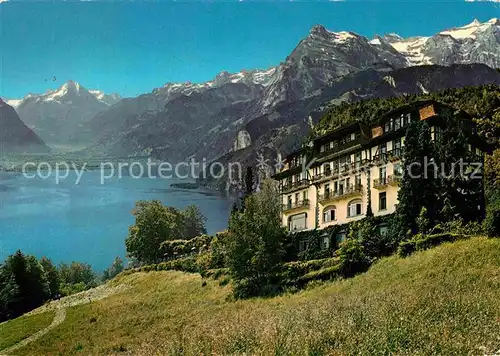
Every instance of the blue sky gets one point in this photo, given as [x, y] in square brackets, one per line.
[131, 48]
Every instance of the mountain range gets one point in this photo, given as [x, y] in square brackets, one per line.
[234, 116]
[57, 115]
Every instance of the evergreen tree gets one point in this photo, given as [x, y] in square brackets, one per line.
[52, 276]
[409, 193]
[427, 184]
[194, 222]
[249, 186]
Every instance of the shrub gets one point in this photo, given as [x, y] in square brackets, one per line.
[458, 227]
[421, 242]
[491, 223]
[323, 274]
[352, 258]
[187, 264]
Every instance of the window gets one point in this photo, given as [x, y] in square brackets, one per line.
[335, 165]
[407, 119]
[398, 170]
[387, 127]
[382, 174]
[382, 201]
[383, 230]
[354, 208]
[358, 180]
[335, 187]
[289, 203]
[297, 222]
[329, 214]
[327, 190]
[326, 168]
[396, 144]
[383, 148]
[357, 159]
[398, 122]
[304, 195]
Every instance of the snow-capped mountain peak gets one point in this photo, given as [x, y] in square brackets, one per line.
[66, 93]
[470, 30]
[250, 77]
[475, 42]
[319, 31]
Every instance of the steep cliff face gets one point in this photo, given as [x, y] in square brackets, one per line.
[202, 124]
[15, 136]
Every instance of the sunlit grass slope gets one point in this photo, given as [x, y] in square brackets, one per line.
[13, 331]
[442, 301]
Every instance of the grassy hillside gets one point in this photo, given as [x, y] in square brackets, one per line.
[13, 331]
[441, 301]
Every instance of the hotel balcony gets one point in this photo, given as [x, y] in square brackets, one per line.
[325, 176]
[393, 180]
[393, 155]
[356, 166]
[287, 188]
[352, 190]
[340, 147]
[380, 183]
[302, 204]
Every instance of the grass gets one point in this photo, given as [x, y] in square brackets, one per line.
[13, 331]
[442, 301]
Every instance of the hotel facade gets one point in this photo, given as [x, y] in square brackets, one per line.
[336, 178]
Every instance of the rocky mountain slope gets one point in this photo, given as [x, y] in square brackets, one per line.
[15, 136]
[179, 121]
[58, 115]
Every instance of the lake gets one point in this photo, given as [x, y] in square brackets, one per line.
[87, 222]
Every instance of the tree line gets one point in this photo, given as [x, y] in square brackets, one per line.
[27, 282]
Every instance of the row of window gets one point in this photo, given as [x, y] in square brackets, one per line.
[298, 197]
[354, 208]
[341, 185]
[397, 122]
[337, 143]
[345, 160]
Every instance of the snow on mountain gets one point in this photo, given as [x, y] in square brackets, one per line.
[59, 113]
[65, 94]
[475, 42]
[109, 99]
[13, 102]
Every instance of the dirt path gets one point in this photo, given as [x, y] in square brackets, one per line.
[58, 319]
[60, 306]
